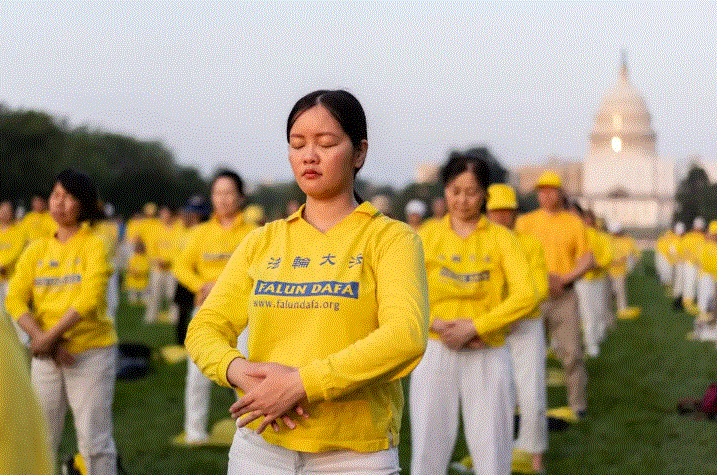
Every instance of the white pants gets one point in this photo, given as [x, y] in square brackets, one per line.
[618, 288]
[679, 279]
[251, 455]
[592, 302]
[663, 268]
[162, 285]
[88, 388]
[197, 392]
[527, 355]
[112, 296]
[689, 288]
[474, 382]
[705, 291]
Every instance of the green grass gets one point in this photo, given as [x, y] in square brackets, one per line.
[632, 428]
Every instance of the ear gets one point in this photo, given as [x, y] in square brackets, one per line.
[360, 154]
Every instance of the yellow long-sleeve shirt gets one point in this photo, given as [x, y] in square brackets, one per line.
[12, 242]
[708, 258]
[162, 243]
[208, 250]
[37, 225]
[601, 246]
[347, 307]
[23, 436]
[563, 236]
[538, 272]
[136, 277]
[691, 246]
[623, 251]
[55, 277]
[484, 277]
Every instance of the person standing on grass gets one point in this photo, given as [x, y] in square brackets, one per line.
[334, 297]
[478, 282]
[567, 258]
[526, 339]
[208, 249]
[57, 296]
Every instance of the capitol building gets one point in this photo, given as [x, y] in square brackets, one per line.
[622, 178]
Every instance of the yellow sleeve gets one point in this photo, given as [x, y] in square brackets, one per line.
[185, 266]
[7, 258]
[212, 333]
[94, 278]
[582, 242]
[538, 271]
[520, 299]
[19, 292]
[393, 349]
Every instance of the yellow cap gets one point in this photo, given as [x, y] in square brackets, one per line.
[713, 227]
[150, 209]
[501, 196]
[549, 179]
[254, 213]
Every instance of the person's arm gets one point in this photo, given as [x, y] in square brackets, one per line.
[185, 267]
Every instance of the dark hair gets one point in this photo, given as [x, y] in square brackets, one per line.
[83, 190]
[226, 173]
[344, 107]
[459, 162]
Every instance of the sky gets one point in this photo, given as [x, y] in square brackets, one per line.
[214, 82]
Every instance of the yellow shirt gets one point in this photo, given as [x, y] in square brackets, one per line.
[54, 277]
[347, 307]
[136, 276]
[601, 246]
[23, 437]
[563, 236]
[663, 243]
[37, 225]
[708, 259]
[538, 272]
[623, 250]
[208, 250]
[12, 242]
[484, 277]
[108, 233]
[691, 246]
[163, 242]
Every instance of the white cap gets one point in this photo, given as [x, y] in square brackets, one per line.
[613, 227]
[109, 210]
[679, 228]
[416, 207]
[699, 223]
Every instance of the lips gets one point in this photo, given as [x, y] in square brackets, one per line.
[311, 173]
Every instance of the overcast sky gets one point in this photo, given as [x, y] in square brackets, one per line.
[215, 81]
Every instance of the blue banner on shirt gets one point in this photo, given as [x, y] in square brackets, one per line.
[307, 289]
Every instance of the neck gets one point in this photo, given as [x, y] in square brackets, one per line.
[553, 210]
[66, 232]
[464, 227]
[324, 214]
[226, 221]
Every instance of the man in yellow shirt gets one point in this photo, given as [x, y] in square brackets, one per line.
[162, 284]
[624, 254]
[663, 259]
[678, 265]
[704, 325]
[526, 339]
[567, 257]
[692, 244]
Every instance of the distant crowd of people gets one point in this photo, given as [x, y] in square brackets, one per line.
[315, 318]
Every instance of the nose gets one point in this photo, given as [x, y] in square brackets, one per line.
[310, 154]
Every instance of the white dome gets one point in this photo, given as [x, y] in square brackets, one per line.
[623, 122]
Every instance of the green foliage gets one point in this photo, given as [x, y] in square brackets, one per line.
[696, 197]
[128, 173]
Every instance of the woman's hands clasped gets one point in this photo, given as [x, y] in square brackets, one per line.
[271, 390]
[458, 334]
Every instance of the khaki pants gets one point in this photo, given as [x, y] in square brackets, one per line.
[88, 387]
[251, 455]
[563, 321]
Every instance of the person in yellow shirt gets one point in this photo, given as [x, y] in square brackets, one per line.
[704, 325]
[662, 258]
[334, 298]
[479, 284]
[162, 283]
[12, 242]
[108, 232]
[23, 435]
[208, 249]
[57, 295]
[38, 223]
[183, 297]
[567, 258]
[691, 247]
[592, 289]
[624, 255]
[136, 277]
[526, 339]
[676, 258]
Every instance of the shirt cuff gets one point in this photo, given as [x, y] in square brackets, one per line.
[310, 378]
[223, 366]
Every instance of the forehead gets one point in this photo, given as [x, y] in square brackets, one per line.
[316, 118]
[224, 183]
[464, 179]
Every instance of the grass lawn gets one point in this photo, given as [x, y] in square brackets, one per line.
[645, 367]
